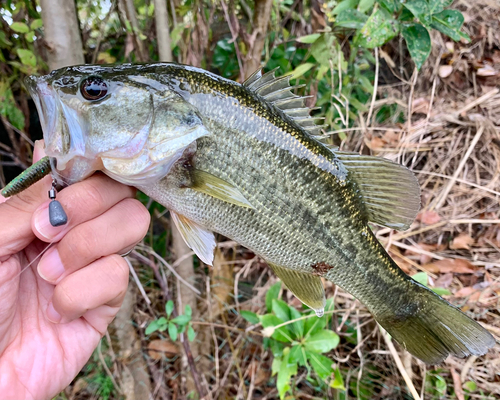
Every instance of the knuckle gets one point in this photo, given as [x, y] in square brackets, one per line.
[93, 195]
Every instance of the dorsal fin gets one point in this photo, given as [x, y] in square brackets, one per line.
[278, 92]
[390, 191]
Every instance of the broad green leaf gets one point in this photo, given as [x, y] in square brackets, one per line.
[188, 311]
[30, 38]
[162, 324]
[301, 70]
[324, 49]
[8, 107]
[250, 316]
[440, 384]
[281, 334]
[275, 367]
[314, 324]
[420, 9]
[441, 291]
[182, 319]
[391, 5]
[418, 41]
[322, 341]
[322, 365]
[272, 294]
[152, 327]
[286, 370]
[309, 38]
[421, 277]
[27, 57]
[169, 307]
[20, 27]
[379, 29]
[365, 5]
[470, 386]
[172, 331]
[36, 24]
[298, 355]
[436, 6]
[281, 310]
[448, 22]
[191, 333]
[338, 380]
[344, 5]
[298, 326]
[351, 19]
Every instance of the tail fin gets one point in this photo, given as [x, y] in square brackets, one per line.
[435, 329]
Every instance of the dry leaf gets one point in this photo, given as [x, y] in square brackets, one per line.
[465, 291]
[455, 265]
[445, 71]
[428, 217]
[487, 70]
[462, 241]
[376, 143]
[157, 349]
[421, 105]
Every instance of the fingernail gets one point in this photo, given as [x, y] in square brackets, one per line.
[52, 314]
[50, 266]
[42, 223]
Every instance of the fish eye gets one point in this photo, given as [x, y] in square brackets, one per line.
[93, 88]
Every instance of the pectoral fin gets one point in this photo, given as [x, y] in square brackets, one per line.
[306, 287]
[199, 239]
[218, 188]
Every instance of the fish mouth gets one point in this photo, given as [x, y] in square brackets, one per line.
[63, 133]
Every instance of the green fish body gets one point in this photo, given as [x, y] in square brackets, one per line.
[242, 160]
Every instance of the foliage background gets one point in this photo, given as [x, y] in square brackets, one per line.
[398, 79]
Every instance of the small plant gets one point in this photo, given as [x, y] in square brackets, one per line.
[298, 340]
[175, 325]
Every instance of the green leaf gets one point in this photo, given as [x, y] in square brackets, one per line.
[351, 19]
[420, 9]
[298, 326]
[322, 365]
[20, 27]
[298, 355]
[448, 22]
[436, 6]
[169, 307]
[379, 29]
[470, 386]
[391, 5]
[27, 57]
[309, 38]
[441, 291]
[285, 372]
[338, 381]
[250, 316]
[345, 5]
[29, 37]
[152, 327]
[324, 49]
[272, 294]
[36, 24]
[275, 367]
[301, 70]
[188, 311]
[365, 5]
[418, 41]
[314, 324]
[181, 319]
[162, 324]
[281, 310]
[191, 333]
[421, 277]
[322, 341]
[172, 331]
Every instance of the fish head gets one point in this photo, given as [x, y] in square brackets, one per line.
[112, 119]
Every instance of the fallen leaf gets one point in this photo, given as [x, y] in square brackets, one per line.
[465, 291]
[487, 70]
[428, 217]
[462, 241]
[157, 349]
[376, 143]
[445, 71]
[421, 105]
[455, 265]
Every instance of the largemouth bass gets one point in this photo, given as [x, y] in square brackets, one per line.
[242, 160]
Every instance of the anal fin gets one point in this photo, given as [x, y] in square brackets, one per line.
[199, 239]
[306, 287]
[213, 186]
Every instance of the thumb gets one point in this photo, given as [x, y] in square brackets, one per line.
[16, 211]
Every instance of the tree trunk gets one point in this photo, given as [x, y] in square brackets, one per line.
[261, 16]
[162, 31]
[127, 9]
[61, 33]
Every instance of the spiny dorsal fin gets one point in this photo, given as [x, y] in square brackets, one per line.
[199, 239]
[279, 92]
[390, 191]
[306, 287]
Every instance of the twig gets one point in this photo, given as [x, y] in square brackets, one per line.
[399, 364]
[375, 88]
[478, 101]
[104, 23]
[450, 184]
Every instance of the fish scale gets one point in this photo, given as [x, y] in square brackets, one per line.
[242, 160]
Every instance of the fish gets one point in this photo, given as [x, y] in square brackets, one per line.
[246, 160]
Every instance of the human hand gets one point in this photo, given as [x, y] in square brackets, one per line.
[54, 311]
